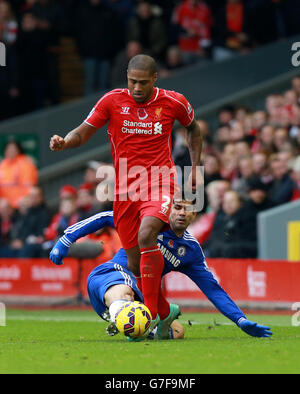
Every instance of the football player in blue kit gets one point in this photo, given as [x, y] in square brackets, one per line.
[181, 252]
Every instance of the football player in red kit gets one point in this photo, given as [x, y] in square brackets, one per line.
[140, 121]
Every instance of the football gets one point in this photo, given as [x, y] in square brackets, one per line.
[133, 319]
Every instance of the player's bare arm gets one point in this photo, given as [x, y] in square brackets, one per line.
[73, 139]
[195, 139]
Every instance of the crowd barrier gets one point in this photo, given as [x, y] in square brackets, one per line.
[247, 281]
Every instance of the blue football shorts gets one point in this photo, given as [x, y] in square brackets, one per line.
[103, 277]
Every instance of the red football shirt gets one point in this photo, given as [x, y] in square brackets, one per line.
[140, 132]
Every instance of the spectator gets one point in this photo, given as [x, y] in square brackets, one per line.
[296, 178]
[229, 236]
[28, 230]
[230, 29]
[241, 113]
[102, 176]
[17, 174]
[172, 63]
[51, 22]
[237, 131]
[119, 70]
[259, 119]
[90, 175]
[296, 87]
[7, 219]
[245, 169]
[228, 162]
[9, 85]
[85, 201]
[194, 21]
[261, 166]
[94, 22]
[68, 192]
[281, 190]
[258, 201]
[149, 30]
[211, 169]
[242, 149]
[221, 137]
[281, 136]
[273, 107]
[226, 115]
[266, 139]
[202, 225]
[8, 24]
[66, 216]
[32, 48]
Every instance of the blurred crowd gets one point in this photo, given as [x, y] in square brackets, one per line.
[109, 32]
[29, 228]
[251, 163]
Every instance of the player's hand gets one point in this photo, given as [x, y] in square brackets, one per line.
[195, 179]
[58, 253]
[254, 329]
[57, 143]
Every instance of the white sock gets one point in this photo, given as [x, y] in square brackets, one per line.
[114, 308]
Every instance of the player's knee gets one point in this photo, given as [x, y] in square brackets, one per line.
[147, 237]
[148, 231]
[118, 292]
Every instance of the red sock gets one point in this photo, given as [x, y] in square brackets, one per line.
[152, 263]
[163, 306]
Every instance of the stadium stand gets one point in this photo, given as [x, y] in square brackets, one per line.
[56, 55]
[251, 120]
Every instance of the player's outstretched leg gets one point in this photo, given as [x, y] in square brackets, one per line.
[164, 325]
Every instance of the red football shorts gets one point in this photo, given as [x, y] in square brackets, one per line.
[128, 216]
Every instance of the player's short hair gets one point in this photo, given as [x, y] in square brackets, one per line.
[144, 63]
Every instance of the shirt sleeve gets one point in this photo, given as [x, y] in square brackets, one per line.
[207, 283]
[88, 226]
[184, 110]
[100, 114]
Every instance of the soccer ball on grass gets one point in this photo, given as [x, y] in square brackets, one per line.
[133, 319]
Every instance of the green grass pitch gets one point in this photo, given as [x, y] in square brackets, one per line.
[74, 341]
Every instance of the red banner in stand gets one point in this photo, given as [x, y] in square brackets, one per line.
[243, 280]
[38, 277]
[87, 267]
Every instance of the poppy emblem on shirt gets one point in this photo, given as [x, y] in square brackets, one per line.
[171, 243]
[142, 113]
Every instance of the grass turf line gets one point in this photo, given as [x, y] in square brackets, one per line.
[75, 342]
